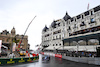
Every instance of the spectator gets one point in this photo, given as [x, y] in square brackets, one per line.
[90, 55]
[94, 55]
[82, 53]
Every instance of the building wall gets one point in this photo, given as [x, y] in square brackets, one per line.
[91, 20]
[75, 25]
[54, 36]
[7, 39]
[72, 27]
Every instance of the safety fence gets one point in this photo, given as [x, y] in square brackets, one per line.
[88, 60]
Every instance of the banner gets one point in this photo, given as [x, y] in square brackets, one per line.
[14, 46]
[58, 55]
[0, 45]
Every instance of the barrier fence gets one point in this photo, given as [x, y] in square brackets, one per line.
[4, 61]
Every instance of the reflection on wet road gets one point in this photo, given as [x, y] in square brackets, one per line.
[54, 62]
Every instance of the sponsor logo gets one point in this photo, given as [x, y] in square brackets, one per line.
[29, 59]
[21, 60]
[10, 62]
[57, 55]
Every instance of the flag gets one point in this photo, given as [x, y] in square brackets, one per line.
[88, 7]
[0, 45]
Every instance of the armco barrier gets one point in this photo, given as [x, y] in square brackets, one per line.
[42, 53]
[51, 54]
[88, 60]
[57, 55]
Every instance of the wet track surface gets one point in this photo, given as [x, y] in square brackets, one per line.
[54, 62]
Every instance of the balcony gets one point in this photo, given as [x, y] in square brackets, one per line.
[93, 29]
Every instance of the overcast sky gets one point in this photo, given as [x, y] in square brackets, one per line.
[19, 13]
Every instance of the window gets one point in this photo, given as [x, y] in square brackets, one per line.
[69, 28]
[58, 24]
[78, 17]
[82, 17]
[59, 31]
[66, 44]
[53, 38]
[59, 36]
[92, 20]
[93, 42]
[73, 43]
[56, 37]
[71, 19]
[82, 24]
[75, 26]
[56, 44]
[86, 13]
[96, 8]
[7, 40]
[63, 24]
[75, 19]
[63, 35]
[69, 22]
[82, 42]
[59, 44]
[70, 34]
[91, 12]
[3, 40]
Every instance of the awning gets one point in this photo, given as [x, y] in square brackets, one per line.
[52, 47]
[91, 50]
[70, 48]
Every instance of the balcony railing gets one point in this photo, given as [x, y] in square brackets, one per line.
[93, 29]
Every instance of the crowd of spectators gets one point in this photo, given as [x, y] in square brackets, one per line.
[80, 54]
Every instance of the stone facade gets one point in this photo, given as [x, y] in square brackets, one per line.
[7, 38]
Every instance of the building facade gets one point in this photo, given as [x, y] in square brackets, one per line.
[84, 28]
[7, 39]
[81, 30]
[53, 35]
